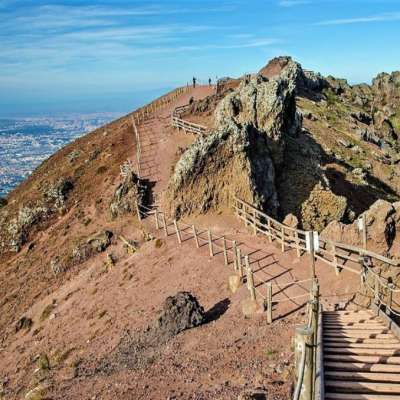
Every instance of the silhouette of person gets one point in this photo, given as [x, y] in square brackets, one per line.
[209, 81]
[194, 82]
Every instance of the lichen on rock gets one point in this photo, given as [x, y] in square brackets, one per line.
[20, 226]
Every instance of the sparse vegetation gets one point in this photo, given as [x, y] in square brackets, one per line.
[47, 311]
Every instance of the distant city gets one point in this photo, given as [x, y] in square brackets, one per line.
[26, 142]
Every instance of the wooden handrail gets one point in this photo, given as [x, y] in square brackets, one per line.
[286, 236]
[188, 126]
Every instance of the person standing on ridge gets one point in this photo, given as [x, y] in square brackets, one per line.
[209, 81]
[194, 82]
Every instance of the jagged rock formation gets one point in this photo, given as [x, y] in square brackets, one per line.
[235, 161]
[130, 192]
[321, 208]
[382, 221]
[19, 227]
[241, 156]
[380, 104]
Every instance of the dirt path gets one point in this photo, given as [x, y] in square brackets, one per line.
[161, 143]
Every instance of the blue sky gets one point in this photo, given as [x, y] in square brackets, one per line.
[83, 56]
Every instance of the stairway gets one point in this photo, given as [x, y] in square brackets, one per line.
[361, 357]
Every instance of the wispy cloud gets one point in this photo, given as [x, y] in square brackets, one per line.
[56, 36]
[395, 16]
[293, 3]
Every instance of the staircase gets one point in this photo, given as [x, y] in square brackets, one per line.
[361, 357]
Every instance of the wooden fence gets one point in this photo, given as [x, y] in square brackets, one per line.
[143, 113]
[187, 126]
[308, 352]
[338, 255]
[233, 255]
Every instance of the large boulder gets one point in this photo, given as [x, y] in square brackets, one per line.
[382, 220]
[179, 313]
[321, 208]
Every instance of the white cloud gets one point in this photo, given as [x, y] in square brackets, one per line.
[359, 20]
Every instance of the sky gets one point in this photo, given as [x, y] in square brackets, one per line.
[59, 56]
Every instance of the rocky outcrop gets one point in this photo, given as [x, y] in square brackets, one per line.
[382, 221]
[321, 208]
[306, 82]
[241, 156]
[57, 193]
[230, 161]
[129, 192]
[268, 106]
[20, 227]
[93, 245]
[380, 103]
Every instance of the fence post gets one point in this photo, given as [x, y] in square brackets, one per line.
[239, 261]
[376, 290]
[178, 234]
[255, 222]
[246, 221]
[225, 252]
[269, 303]
[210, 244]
[283, 239]
[138, 211]
[164, 223]
[269, 230]
[364, 230]
[389, 300]
[156, 216]
[250, 280]
[235, 266]
[195, 236]
[312, 255]
[334, 258]
[297, 241]
[304, 341]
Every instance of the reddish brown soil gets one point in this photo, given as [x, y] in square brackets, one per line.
[93, 306]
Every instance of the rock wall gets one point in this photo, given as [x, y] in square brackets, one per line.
[383, 228]
[241, 156]
[233, 160]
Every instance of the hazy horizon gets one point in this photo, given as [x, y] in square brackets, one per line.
[112, 56]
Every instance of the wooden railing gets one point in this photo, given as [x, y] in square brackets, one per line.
[308, 352]
[180, 123]
[143, 113]
[188, 126]
[338, 255]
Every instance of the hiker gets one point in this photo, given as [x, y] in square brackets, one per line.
[209, 81]
[194, 82]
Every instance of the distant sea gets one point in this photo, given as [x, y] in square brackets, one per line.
[26, 142]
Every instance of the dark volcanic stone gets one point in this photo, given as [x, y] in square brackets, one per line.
[180, 312]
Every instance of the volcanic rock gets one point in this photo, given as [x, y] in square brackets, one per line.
[131, 191]
[382, 221]
[240, 157]
[321, 208]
